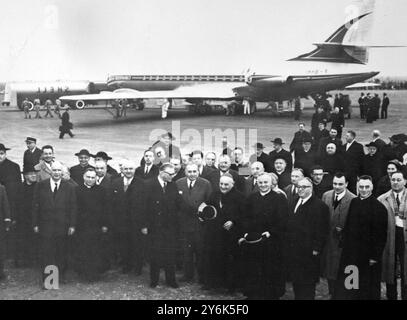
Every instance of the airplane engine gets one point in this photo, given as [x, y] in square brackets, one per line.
[80, 104]
[267, 81]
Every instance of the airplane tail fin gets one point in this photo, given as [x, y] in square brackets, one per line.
[345, 45]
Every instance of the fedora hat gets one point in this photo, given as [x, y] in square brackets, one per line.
[83, 152]
[253, 237]
[278, 141]
[102, 154]
[207, 213]
[3, 148]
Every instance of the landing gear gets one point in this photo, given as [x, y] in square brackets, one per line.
[200, 108]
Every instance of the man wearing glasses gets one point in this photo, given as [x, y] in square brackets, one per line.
[306, 235]
[364, 238]
[162, 206]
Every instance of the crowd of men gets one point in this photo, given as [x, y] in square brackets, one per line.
[293, 215]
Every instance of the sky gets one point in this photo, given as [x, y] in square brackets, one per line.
[90, 39]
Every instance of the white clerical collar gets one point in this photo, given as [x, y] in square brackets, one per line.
[87, 186]
[264, 194]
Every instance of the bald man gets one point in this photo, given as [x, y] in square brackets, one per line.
[54, 219]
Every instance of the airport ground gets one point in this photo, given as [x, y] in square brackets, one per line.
[96, 130]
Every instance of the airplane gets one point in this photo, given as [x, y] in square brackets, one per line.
[335, 64]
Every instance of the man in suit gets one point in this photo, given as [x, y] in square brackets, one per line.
[10, 178]
[279, 152]
[66, 125]
[179, 171]
[224, 168]
[210, 160]
[148, 169]
[292, 190]
[5, 223]
[338, 201]
[102, 156]
[194, 191]
[78, 170]
[260, 156]
[204, 171]
[43, 168]
[128, 218]
[333, 138]
[363, 242]
[299, 136]
[395, 254]
[169, 149]
[250, 184]
[163, 203]
[319, 134]
[385, 105]
[306, 235]
[54, 219]
[338, 121]
[372, 164]
[32, 155]
[238, 160]
[353, 157]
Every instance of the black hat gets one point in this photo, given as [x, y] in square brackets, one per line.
[3, 148]
[398, 138]
[307, 139]
[278, 141]
[30, 139]
[101, 154]
[253, 237]
[258, 145]
[169, 135]
[28, 169]
[372, 144]
[207, 213]
[83, 152]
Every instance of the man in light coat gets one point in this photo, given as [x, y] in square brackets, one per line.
[395, 202]
[338, 201]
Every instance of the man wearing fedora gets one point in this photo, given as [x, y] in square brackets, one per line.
[281, 153]
[32, 155]
[78, 170]
[103, 156]
[265, 215]
[10, 178]
[194, 190]
[372, 164]
[261, 156]
[43, 168]
[5, 223]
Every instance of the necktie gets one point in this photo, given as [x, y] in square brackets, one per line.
[126, 185]
[254, 184]
[146, 171]
[55, 189]
[336, 201]
[164, 186]
[190, 185]
[298, 207]
[398, 200]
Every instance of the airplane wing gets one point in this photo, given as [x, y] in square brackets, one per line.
[362, 85]
[200, 91]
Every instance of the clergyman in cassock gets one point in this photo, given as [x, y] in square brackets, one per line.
[338, 201]
[5, 222]
[220, 235]
[266, 215]
[92, 221]
[78, 170]
[363, 242]
[307, 232]
[163, 204]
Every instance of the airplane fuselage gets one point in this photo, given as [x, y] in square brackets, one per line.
[297, 78]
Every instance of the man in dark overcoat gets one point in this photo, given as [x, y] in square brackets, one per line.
[163, 204]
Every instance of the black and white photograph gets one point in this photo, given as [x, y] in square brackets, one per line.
[220, 151]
